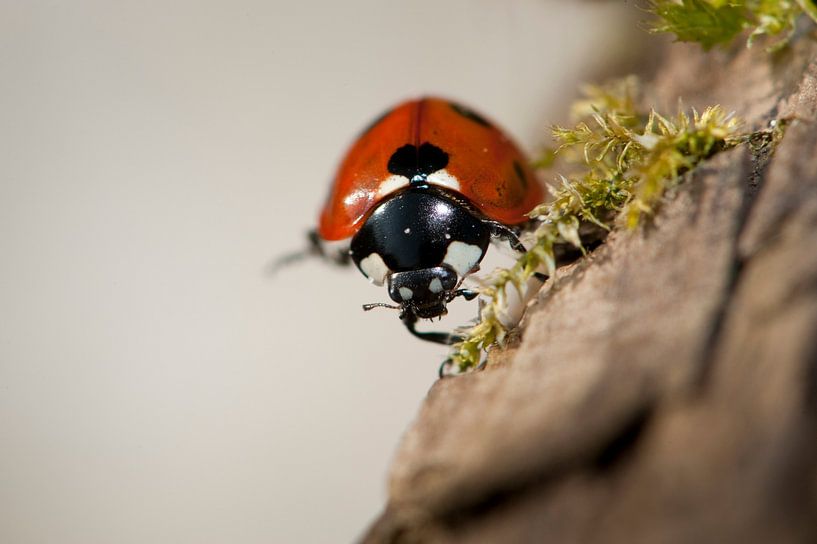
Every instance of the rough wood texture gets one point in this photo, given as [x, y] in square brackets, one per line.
[665, 389]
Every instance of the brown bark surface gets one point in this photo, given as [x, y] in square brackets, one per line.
[665, 388]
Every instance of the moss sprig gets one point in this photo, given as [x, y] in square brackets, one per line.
[620, 162]
[715, 22]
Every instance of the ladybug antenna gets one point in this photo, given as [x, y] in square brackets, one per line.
[367, 307]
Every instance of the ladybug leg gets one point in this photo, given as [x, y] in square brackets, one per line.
[340, 257]
[442, 372]
[444, 366]
[505, 233]
[315, 248]
[410, 320]
[467, 294]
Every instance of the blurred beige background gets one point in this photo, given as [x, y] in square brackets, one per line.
[155, 386]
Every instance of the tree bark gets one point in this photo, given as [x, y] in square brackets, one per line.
[665, 386]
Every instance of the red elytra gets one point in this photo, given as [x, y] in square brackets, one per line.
[491, 171]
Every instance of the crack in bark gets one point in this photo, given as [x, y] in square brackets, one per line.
[759, 159]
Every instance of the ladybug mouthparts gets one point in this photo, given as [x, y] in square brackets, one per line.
[424, 292]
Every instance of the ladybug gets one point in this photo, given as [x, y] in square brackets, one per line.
[418, 198]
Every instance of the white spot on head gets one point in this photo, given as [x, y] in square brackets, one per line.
[407, 230]
[462, 257]
[406, 293]
[391, 184]
[374, 268]
[444, 179]
[436, 286]
[447, 236]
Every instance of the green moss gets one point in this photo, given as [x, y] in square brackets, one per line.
[621, 161]
[714, 22]
[699, 21]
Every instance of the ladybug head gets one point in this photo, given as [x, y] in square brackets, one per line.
[424, 292]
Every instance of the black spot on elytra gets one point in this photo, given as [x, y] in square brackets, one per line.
[416, 163]
[470, 114]
[520, 173]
